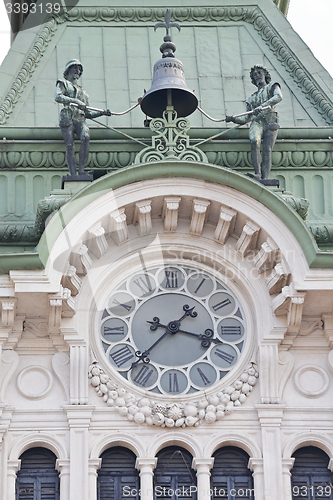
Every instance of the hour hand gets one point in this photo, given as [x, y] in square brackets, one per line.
[156, 324]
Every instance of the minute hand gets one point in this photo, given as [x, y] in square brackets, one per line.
[143, 356]
[205, 337]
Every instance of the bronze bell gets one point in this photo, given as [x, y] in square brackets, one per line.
[169, 76]
[168, 87]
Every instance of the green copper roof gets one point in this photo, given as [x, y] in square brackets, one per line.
[211, 173]
[118, 48]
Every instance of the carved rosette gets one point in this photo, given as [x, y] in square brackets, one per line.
[143, 410]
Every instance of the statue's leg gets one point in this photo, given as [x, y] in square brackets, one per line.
[269, 139]
[68, 135]
[255, 135]
[84, 134]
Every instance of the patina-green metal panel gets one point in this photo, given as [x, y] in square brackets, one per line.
[118, 47]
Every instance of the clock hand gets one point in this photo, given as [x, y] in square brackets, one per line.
[173, 326]
[205, 337]
[143, 356]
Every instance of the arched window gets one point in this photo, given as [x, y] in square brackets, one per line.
[37, 478]
[118, 478]
[230, 477]
[310, 477]
[174, 478]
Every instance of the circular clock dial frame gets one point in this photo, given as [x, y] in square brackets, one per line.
[172, 329]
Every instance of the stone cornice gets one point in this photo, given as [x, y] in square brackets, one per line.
[253, 15]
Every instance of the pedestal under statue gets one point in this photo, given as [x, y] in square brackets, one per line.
[73, 118]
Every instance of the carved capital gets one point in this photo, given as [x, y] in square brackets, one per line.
[146, 465]
[256, 465]
[248, 239]
[170, 213]
[97, 243]
[225, 225]
[61, 305]
[199, 214]
[142, 216]
[118, 226]
[8, 306]
[202, 465]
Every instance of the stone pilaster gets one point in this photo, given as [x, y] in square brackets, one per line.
[270, 418]
[146, 467]
[269, 382]
[13, 466]
[287, 465]
[256, 465]
[63, 467]
[79, 362]
[203, 467]
[79, 418]
[94, 465]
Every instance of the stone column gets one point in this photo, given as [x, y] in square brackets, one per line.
[287, 465]
[146, 467]
[94, 465]
[270, 417]
[79, 420]
[13, 466]
[203, 466]
[63, 467]
[257, 466]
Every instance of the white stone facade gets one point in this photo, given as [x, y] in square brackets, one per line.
[49, 338]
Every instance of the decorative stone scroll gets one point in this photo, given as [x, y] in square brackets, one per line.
[143, 410]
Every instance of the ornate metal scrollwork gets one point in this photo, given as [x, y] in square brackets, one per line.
[171, 141]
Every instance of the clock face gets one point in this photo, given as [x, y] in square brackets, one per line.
[172, 329]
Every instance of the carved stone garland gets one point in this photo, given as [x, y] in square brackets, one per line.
[146, 411]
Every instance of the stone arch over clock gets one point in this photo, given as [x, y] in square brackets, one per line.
[139, 230]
